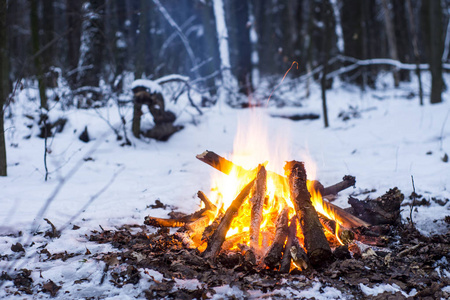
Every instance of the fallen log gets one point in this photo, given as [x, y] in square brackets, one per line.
[257, 207]
[316, 243]
[225, 166]
[273, 256]
[218, 237]
[383, 210]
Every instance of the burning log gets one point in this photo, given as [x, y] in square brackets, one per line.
[345, 235]
[218, 237]
[347, 219]
[316, 243]
[292, 234]
[225, 166]
[273, 256]
[208, 204]
[257, 206]
[293, 251]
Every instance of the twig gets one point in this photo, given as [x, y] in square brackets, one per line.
[412, 203]
[45, 147]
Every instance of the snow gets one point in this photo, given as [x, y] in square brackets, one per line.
[381, 288]
[151, 85]
[383, 147]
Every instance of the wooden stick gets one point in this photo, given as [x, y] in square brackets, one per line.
[316, 243]
[292, 234]
[218, 237]
[257, 206]
[273, 256]
[208, 204]
[211, 228]
[225, 166]
[347, 181]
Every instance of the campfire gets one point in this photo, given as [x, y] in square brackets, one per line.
[277, 220]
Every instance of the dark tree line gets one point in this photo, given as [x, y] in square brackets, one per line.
[92, 41]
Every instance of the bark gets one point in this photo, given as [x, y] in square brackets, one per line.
[92, 44]
[390, 32]
[34, 23]
[218, 237]
[4, 83]
[257, 206]
[316, 244]
[275, 253]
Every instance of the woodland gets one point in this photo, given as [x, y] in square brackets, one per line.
[107, 108]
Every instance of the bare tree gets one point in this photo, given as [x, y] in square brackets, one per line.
[34, 23]
[393, 53]
[4, 84]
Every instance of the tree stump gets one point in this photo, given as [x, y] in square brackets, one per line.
[148, 94]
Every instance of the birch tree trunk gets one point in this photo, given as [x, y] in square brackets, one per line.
[339, 32]
[254, 44]
[4, 84]
[228, 88]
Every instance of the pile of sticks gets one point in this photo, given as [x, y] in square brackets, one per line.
[197, 228]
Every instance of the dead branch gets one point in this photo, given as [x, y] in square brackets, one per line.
[292, 234]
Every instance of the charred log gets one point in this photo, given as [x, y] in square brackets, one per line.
[383, 210]
[274, 255]
[344, 234]
[346, 182]
[292, 235]
[316, 244]
[257, 206]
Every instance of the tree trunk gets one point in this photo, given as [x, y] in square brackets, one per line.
[4, 83]
[48, 27]
[325, 56]
[73, 12]
[34, 23]
[436, 49]
[415, 43]
[339, 33]
[228, 82]
[142, 39]
[254, 44]
[391, 39]
[92, 43]
[210, 44]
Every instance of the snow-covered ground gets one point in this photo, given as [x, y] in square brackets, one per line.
[101, 183]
